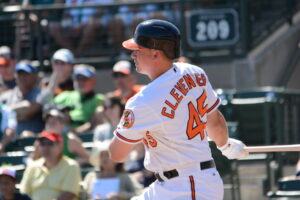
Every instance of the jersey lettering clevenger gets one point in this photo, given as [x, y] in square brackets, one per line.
[169, 116]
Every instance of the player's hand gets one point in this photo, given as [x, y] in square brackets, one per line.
[234, 149]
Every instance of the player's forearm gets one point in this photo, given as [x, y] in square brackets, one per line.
[119, 150]
[217, 128]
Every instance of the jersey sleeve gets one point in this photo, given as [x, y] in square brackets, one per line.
[212, 101]
[137, 119]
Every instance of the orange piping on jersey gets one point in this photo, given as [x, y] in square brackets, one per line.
[127, 140]
[201, 81]
[170, 115]
[146, 143]
[192, 187]
[176, 95]
[213, 106]
[189, 81]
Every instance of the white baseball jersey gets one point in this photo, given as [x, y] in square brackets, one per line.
[169, 115]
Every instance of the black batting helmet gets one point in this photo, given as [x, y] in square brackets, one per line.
[156, 34]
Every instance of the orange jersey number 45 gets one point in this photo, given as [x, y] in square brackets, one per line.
[195, 125]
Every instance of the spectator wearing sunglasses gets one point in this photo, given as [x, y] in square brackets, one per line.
[56, 121]
[84, 100]
[125, 80]
[53, 176]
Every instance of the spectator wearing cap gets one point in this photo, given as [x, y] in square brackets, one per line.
[119, 185]
[24, 99]
[8, 183]
[125, 80]
[7, 68]
[55, 121]
[83, 99]
[62, 66]
[62, 69]
[53, 176]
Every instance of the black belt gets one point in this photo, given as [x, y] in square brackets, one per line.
[174, 173]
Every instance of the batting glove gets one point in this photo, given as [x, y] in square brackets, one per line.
[234, 149]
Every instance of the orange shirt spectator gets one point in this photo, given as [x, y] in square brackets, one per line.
[125, 80]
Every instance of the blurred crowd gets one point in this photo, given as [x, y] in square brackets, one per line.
[80, 29]
[56, 109]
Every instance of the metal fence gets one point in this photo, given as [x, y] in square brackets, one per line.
[210, 29]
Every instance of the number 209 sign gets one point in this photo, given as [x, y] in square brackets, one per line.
[212, 27]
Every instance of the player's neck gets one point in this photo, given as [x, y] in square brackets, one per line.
[160, 67]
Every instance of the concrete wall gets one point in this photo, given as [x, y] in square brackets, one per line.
[264, 66]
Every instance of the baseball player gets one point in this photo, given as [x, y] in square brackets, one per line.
[173, 116]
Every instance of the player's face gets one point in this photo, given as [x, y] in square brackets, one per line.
[142, 59]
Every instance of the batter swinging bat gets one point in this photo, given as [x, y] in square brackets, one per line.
[273, 148]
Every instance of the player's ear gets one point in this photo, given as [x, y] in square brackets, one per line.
[155, 54]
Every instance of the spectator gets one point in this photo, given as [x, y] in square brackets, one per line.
[8, 183]
[78, 27]
[113, 110]
[7, 68]
[110, 181]
[135, 166]
[125, 80]
[83, 99]
[72, 145]
[53, 176]
[24, 99]
[62, 67]
[128, 17]
[8, 126]
[61, 77]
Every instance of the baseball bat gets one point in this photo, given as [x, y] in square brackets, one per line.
[273, 148]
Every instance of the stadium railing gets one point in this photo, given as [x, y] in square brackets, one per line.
[257, 19]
